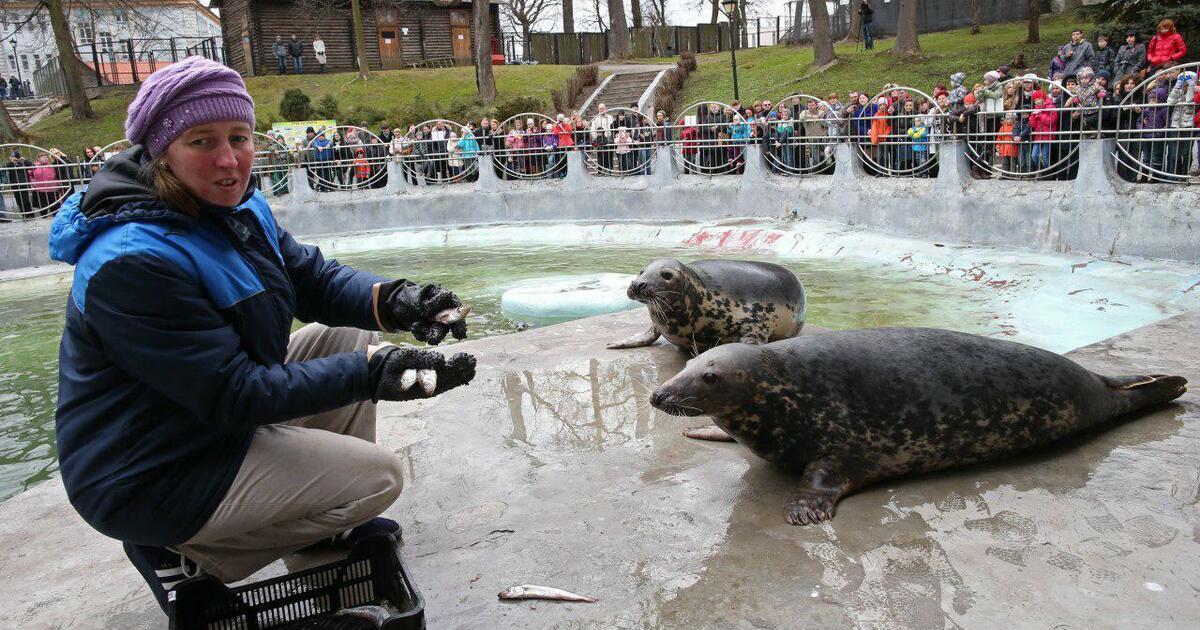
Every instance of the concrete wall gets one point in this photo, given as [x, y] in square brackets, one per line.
[1097, 213]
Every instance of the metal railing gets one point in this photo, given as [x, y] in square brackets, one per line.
[1156, 128]
[620, 143]
[1031, 130]
[1008, 136]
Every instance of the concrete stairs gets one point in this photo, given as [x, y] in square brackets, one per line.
[623, 91]
[27, 111]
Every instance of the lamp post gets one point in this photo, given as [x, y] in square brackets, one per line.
[729, 8]
[17, 63]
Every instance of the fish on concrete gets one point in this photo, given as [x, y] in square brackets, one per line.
[533, 591]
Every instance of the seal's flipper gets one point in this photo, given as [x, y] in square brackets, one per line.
[712, 433]
[1132, 393]
[820, 489]
[636, 341]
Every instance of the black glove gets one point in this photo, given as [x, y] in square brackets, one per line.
[402, 305]
[388, 364]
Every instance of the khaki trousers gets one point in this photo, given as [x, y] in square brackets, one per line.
[302, 481]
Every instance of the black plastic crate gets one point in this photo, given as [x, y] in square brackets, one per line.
[371, 574]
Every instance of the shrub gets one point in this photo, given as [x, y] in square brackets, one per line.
[687, 59]
[295, 105]
[327, 108]
[672, 84]
[363, 114]
[417, 112]
[518, 105]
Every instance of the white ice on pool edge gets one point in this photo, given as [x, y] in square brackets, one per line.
[568, 297]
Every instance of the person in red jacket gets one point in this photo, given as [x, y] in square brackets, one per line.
[1166, 47]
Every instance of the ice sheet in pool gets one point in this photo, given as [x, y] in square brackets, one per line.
[560, 298]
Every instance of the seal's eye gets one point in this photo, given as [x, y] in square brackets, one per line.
[710, 378]
[667, 275]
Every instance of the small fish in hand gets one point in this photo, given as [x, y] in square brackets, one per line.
[533, 591]
[452, 315]
[428, 380]
[407, 379]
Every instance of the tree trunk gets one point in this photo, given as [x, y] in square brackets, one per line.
[527, 38]
[485, 82]
[1034, 17]
[744, 22]
[796, 37]
[9, 132]
[364, 69]
[568, 11]
[712, 19]
[635, 7]
[80, 107]
[906, 29]
[855, 33]
[618, 32]
[822, 35]
[975, 26]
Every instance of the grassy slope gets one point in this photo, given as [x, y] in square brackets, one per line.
[773, 72]
[389, 92]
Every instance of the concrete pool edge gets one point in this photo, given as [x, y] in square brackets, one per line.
[452, 517]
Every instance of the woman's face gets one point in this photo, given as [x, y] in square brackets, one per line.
[213, 161]
[863, 100]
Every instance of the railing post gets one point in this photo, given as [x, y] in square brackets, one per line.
[488, 182]
[132, 61]
[953, 171]
[96, 66]
[301, 191]
[577, 175]
[396, 183]
[847, 170]
[174, 53]
[1094, 178]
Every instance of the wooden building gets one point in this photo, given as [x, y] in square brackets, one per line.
[397, 34]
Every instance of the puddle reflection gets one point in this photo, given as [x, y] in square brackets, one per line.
[587, 404]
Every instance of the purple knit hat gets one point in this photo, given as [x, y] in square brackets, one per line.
[183, 95]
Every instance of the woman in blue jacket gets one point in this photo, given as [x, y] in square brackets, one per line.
[189, 426]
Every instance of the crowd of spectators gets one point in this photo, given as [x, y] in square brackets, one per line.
[1017, 124]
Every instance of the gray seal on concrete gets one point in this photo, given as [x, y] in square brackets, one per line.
[707, 303]
[855, 407]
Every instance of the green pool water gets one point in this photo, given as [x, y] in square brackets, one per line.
[842, 294]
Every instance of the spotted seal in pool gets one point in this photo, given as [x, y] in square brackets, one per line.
[854, 407]
[711, 302]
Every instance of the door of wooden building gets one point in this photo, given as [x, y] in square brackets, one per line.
[391, 55]
[460, 36]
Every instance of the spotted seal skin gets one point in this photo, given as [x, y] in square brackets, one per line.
[854, 407]
[712, 302]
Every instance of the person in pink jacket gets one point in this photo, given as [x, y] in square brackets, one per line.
[43, 180]
[1166, 47]
[1044, 123]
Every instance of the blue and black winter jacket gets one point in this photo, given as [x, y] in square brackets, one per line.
[174, 346]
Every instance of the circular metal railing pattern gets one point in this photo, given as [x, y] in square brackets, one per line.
[620, 143]
[528, 150]
[432, 156]
[1150, 146]
[883, 142]
[1051, 150]
[803, 144]
[37, 180]
[704, 142]
[273, 162]
[345, 157]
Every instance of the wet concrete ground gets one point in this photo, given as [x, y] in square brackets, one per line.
[553, 469]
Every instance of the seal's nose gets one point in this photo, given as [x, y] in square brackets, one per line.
[657, 399]
[636, 289]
